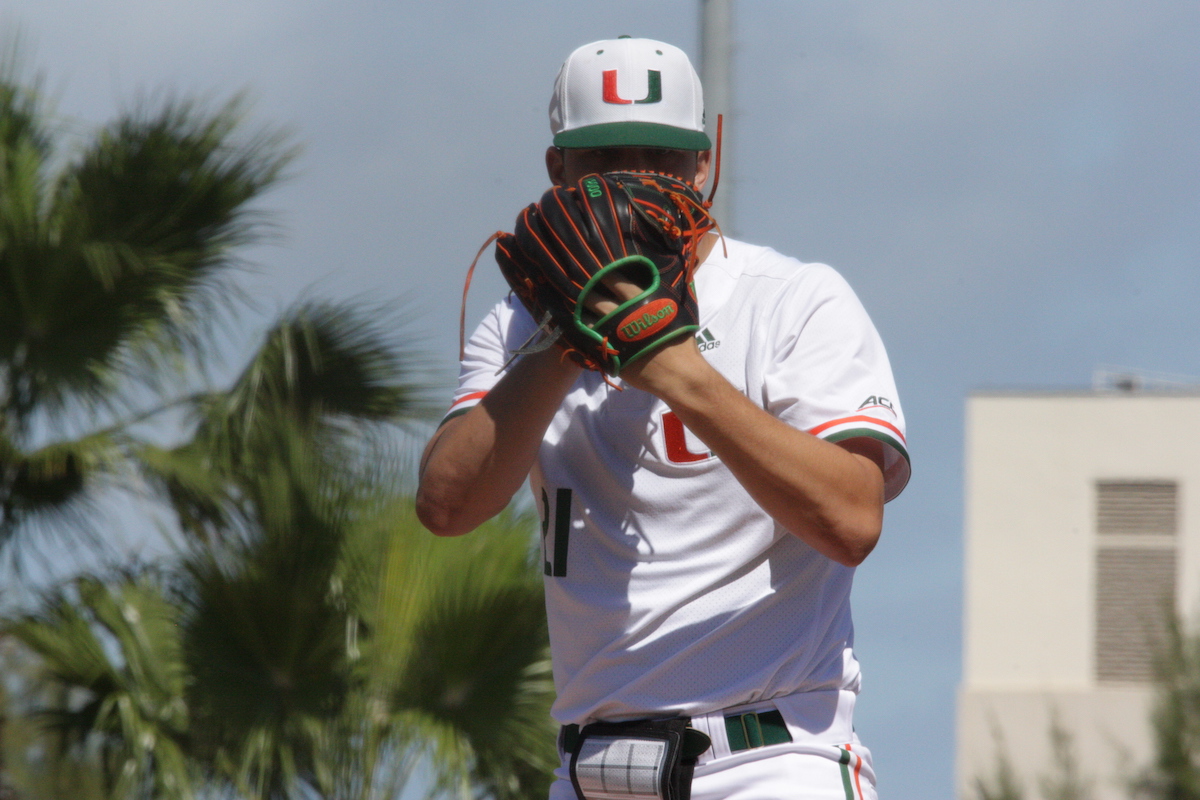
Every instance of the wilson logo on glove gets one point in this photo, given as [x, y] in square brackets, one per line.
[647, 320]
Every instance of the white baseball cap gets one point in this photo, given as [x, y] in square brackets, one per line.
[628, 92]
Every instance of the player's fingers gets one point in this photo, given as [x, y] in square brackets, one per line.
[599, 305]
[621, 286]
[612, 290]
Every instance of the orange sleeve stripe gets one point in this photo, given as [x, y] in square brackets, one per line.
[827, 425]
[466, 397]
[857, 771]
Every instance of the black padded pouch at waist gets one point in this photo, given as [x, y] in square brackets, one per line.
[637, 760]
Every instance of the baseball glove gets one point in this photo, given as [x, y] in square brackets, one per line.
[570, 248]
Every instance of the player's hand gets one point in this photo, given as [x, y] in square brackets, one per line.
[665, 370]
[647, 226]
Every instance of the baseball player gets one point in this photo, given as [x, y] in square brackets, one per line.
[702, 513]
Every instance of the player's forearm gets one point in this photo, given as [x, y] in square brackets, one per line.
[830, 498]
[475, 463]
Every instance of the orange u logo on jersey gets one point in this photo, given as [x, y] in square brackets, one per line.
[675, 439]
[653, 88]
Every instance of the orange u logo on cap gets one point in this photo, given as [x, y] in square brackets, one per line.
[653, 83]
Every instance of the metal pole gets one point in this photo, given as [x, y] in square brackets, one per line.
[716, 61]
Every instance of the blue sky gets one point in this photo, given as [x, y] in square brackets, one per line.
[1013, 189]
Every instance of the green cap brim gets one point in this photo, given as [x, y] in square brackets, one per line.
[634, 134]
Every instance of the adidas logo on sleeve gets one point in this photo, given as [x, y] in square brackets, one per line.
[706, 341]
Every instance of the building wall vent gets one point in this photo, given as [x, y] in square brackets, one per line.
[1136, 523]
[1136, 508]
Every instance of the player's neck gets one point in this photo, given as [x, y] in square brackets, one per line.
[706, 245]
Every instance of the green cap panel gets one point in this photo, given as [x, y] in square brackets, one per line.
[633, 134]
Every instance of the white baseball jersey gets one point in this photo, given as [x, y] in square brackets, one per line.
[668, 590]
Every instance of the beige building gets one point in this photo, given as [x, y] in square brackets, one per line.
[1082, 526]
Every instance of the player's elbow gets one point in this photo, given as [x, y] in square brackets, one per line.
[447, 515]
[853, 550]
[855, 523]
[438, 517]
[862, 538]
[852, 537]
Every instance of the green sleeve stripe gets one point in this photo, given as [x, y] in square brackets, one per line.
[870, 433]
[458, 412]
[844, 761]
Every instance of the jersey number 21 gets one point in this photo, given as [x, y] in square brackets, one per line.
[562, 531]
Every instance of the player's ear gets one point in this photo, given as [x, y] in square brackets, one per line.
[703, 164]
[554, 165]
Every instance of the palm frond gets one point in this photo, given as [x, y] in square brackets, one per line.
[327, 380]
[52, 475]
[264, 629]
[116, 648]
[121, 254]
[50, 483]
[326, 360]
[460, 646]
[24, 149]
[38, 765]
[21, 112]
[200, 493]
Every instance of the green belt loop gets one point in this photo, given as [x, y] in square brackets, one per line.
[753, 730]
[747, 731]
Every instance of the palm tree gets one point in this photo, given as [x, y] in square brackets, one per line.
[271, 666]
[312, 638]
[112, 255]
[112, 258]
[459, 653]
[126, 715]
[36, 758]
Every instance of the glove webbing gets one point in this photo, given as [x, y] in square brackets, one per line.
[699, 223]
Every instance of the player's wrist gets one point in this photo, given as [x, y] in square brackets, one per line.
[672, 371]
[551, 367]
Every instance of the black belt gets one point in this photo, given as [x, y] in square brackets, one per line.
[568, 737]
[744, 731]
